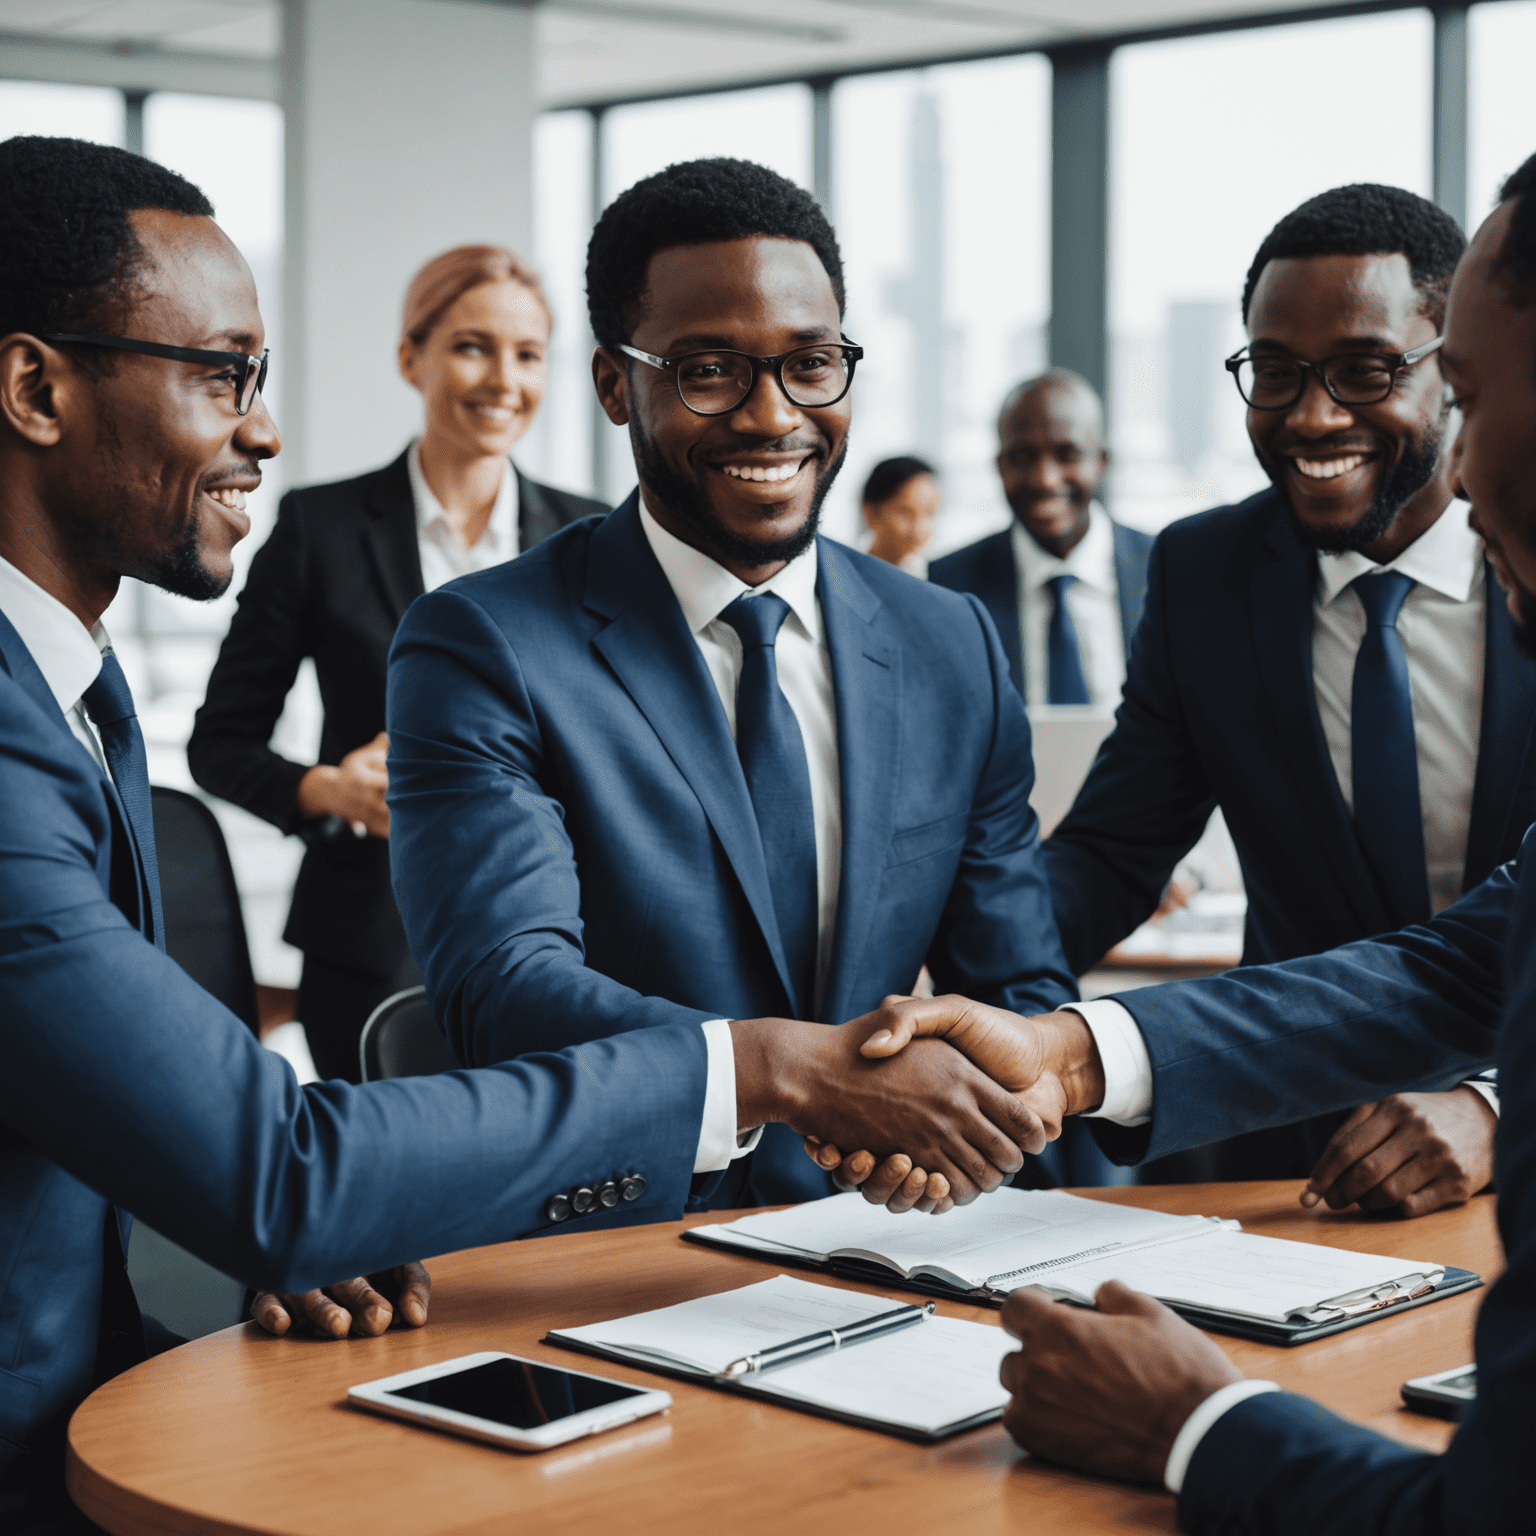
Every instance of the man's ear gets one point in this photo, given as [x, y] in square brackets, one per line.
[611, 380]
[38, 386]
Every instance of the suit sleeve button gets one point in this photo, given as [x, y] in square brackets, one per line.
[632, 1187]
[582, 1200]
[607, 1194]
[559, 1208]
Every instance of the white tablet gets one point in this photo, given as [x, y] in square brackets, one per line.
[509, 1401]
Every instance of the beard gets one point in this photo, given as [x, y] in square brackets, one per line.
[686, 498]
[182, 572]
[1414, 470]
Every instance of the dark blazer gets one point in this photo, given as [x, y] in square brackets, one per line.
[126, 1087]
[340, 568]
[1281, 1463]
[1219, 709]
[575, 851]
[987, 570]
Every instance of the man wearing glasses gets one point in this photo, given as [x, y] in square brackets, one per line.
[1325, 662]
[693, 761]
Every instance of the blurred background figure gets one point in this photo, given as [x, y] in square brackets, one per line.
[900, 505]
[1066, 584]
[339, 570]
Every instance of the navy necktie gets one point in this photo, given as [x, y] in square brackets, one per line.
[773, 759]
[109, 703]
[1067, 683]
[1384, 760]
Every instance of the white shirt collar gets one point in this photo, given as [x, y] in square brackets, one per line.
[500, 534]
[1091, 559]
[703, 588]
[1447, 557]
[66, 652]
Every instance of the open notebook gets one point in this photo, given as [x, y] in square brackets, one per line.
[1209, 1270]
[925, 1382]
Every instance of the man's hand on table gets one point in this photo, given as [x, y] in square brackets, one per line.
[360, 1308]
[1410, 1154]
[1049, 1063]
[1105, 1391]
[929, 1104]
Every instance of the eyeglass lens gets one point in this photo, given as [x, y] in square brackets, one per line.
[1273, 382]
[715, 382]
[253, 383]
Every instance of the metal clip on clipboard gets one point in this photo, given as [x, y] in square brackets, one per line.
[1375, 1299]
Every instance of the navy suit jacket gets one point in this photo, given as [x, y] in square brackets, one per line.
[126, 1087]
[1219, 709]
[987, 570]
[1281, 1463]
[575, 852]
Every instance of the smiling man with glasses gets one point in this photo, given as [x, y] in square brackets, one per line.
[693, 761]
[1325, 663]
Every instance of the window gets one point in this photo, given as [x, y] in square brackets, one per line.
[67, 111]
[1501, 111]
[1213, 139]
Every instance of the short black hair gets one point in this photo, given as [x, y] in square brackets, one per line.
[889, 475]
[69, 258]
[694, 203]
[1517, 256]
[1367, 219]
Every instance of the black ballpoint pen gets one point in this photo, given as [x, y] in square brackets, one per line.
[827, 1340]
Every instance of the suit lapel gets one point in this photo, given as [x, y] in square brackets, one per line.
[536, 518]
[650, 649]
[866, 673]
[1504, 740]
[1282, 596]
[1131, 558]
[997, 585]
[389, 538]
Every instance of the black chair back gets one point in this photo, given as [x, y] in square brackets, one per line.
[204, 930]
[401, 1039]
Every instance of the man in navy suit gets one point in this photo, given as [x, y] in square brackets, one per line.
[1373, 763]
[692, 761]
[1131, 1391]
[1066, 584]
[131, 429]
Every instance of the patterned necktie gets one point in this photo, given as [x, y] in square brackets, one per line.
[109, 703]
[773, 759]
[1067, 682]
[1389, 819]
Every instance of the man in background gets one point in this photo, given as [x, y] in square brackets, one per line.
[1323, 662]
[1065, 585]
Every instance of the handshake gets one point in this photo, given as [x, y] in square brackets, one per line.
[927, 1102]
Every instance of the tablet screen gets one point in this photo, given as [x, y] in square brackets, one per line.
[516, 1393]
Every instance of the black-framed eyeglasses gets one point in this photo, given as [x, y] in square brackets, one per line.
[250, 373]
[1274, 382]
[716, 382]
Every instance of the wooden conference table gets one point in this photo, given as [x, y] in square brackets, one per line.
[239, 1432]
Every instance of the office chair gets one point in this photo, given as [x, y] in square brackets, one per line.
[204, 931]
[401, 1039]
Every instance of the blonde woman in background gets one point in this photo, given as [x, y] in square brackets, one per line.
[332, 582]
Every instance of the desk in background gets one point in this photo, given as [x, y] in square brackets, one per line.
[238, 1432]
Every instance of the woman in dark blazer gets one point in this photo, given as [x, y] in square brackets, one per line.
[339, 570]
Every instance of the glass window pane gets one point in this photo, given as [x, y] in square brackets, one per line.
[558, 448]
[941, 195]
[1213, 139]
[61, 111]
[1502, 108]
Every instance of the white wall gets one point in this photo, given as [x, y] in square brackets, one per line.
[409, 130]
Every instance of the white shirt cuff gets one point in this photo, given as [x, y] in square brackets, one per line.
[719, 1145]
[1199, 1422]
[1127, 1067]
[1488, 1087]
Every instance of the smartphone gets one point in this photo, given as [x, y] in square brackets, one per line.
[1443, 1395]
[509, 1401]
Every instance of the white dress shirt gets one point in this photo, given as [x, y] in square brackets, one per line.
[444, 554]
[66, 652]
[1093, 602]
[69, 657]
[1443, 626]
[703, 590]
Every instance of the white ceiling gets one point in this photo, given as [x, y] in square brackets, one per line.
[599, 50]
